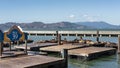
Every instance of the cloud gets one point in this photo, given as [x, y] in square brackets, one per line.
[89, 18]
[85, 15]
[72, 16]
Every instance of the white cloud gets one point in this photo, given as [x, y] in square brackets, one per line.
[85, 15]
[72, 16]
[88, 18]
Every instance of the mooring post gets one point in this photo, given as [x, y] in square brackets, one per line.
[97, 36]
[26, 47]
[57, 36]
[81, 38]
[10, 45]
[64, 54]
[18, 43]
[59, 39]
[1, 49]
[118, 43]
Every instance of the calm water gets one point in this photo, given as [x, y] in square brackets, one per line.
[38, 38]
[102, 62]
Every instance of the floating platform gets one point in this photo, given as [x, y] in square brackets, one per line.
[35, 46]
[37, 61]
[7, 54]
[58, 48]
[89, 53]
[81, 52]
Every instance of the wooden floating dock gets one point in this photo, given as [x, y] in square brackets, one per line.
[7, 54]
[37, 61]
[58, 48]
[35, 46]
[89, 53]
[86, 53]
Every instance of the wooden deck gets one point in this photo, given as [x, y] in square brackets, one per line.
[81, 52]
[88, 50]
[7, 54]
[58, 48]
[35, 46]
[38, 61]
[91, 52]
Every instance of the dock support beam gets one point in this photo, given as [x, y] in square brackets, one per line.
[64, 54]
[97, 36]
[118, 43]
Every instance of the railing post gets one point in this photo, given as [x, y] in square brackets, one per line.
[64, 54]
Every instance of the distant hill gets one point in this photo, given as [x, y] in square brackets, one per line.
[43, 26]
[60, 26]
[99, 25]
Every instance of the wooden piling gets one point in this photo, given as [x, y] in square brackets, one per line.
[57, 36]
[26, 47]
[81, 38]
[118, 43]
[10, 45]
[1, 49]
[97, 36]
[18, 43]
[64, 54]
[59, 39]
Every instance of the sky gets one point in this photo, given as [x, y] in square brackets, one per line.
[51, 11]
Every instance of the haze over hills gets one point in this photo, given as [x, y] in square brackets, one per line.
[43, 26]
[99, 25]
[60, 25]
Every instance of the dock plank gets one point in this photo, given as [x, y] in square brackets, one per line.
[32, 45]
[91, 52]
[29, 61]
[58, 48]
[7, 54]
[88, 50]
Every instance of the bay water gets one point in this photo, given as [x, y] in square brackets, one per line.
[102, 62]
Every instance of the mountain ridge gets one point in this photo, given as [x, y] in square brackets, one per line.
[99, 25]
[60, 25]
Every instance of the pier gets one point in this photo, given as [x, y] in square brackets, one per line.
[25, 59]
[11, 57]
[82, 33]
